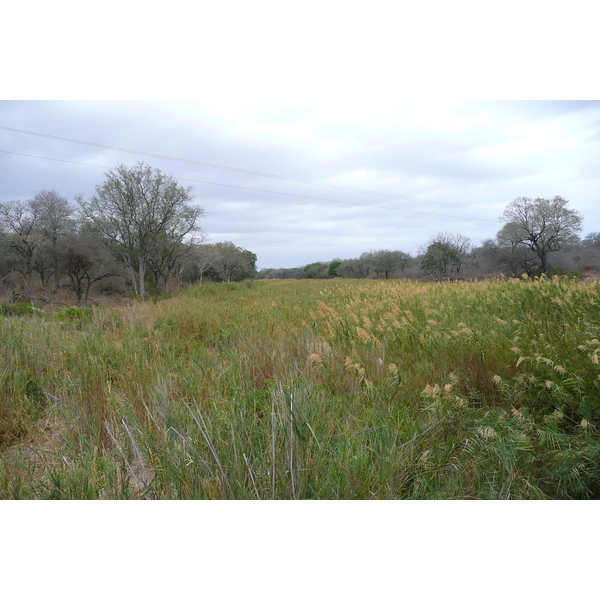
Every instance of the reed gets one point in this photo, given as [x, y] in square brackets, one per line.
[308, 389]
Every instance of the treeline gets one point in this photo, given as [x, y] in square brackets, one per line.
[138, 234]
[539, 236]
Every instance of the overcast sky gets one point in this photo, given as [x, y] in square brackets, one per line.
[323, 143]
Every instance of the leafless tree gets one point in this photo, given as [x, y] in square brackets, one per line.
[141, 213]
[445, 254]
[541, 225]
[55, 222]
[85, 260]
[19, 227]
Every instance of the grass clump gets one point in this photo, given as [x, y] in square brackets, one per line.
[309, 389]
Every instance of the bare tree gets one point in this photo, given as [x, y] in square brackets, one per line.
[510, 253]
[387, 262]
[141, 212]
[19, 227]
[541, 225]
[232, 262]
[202, 257]
[85, 260]
[445, 254]
[55, 222]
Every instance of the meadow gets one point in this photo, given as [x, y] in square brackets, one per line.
[311, 389]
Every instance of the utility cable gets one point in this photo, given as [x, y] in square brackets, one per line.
[245, 171]
[240, 187]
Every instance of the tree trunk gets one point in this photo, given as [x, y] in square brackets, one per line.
[544, 259]
[142, 276]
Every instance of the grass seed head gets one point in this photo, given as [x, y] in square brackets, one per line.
[362, 334]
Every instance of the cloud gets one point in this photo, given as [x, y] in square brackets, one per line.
[429, 166]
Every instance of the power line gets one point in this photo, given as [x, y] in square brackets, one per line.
[264, 191]
[245, 171]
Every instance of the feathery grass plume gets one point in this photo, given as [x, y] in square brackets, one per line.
[316, 358]
[325, 308]
[362, 334]
[431, 391]
[487, 433]
[517, 414]
[117, 368]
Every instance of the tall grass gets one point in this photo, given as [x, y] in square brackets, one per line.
[308, 389]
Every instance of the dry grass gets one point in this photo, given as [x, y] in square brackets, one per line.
[308, 389]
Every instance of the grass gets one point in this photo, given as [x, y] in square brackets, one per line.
[308, 389]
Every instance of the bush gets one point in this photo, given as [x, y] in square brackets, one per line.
[73, 314]
[19, 309]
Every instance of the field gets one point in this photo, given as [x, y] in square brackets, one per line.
[331, 389]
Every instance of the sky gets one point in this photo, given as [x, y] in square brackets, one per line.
[444, 111]
[315, 134]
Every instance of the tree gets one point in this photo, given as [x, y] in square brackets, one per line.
[316, 270]
[141, 212]
[386, 261]
[19, 227]
[437, 260]
[591, 240]
[445, 254]
[233, 263]
[511, 254]
[55, 222]
[541, 225]
[201, 258]
[332, 270]
[85, 260]
[354, 268]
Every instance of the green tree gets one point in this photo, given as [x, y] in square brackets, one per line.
[437, 260]
[334, 265]
[316, 270]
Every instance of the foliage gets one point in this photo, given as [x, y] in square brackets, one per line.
[316, 270]
[309, 389]
[334, 265]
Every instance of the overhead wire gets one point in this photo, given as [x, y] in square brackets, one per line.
[244, 171]
[394, 208]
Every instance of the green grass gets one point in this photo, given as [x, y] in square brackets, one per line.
[308, 389]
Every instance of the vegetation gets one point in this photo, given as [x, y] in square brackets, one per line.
[316, 389]
[541, 225]
[135, 235]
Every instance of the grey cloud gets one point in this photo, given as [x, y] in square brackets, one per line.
[455, 162]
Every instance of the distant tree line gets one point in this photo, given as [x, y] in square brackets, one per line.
[534, 230]
[138, 233]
